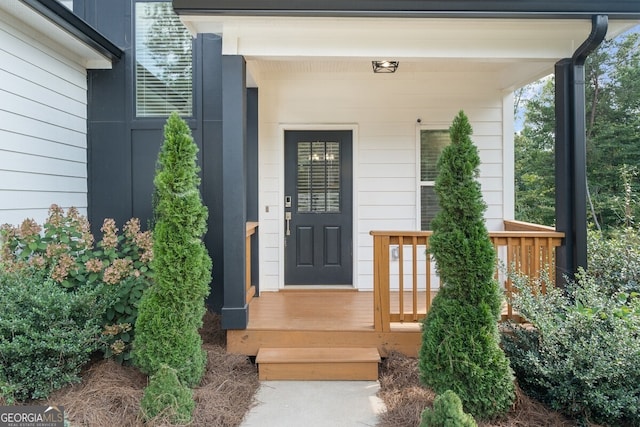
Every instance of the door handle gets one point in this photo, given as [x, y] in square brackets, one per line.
[287, 218]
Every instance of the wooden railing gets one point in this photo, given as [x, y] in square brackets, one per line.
[251, 289]
[404, 277]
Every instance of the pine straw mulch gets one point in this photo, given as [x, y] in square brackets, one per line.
[109, 394]
[405, 399]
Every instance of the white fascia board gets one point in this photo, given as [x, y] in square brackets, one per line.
[408, 37]
[400, 37]
[30, 22]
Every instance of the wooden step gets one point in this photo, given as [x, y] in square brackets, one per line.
[318, 363]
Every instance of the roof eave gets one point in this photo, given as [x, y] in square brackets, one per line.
[71, 23]
[533, 9]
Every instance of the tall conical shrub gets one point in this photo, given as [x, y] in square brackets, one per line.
[171, 310]
[460, 338]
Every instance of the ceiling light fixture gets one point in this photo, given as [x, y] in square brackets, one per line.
[384, 66]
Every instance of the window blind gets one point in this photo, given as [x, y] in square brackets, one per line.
[432, 142]
[163, 51]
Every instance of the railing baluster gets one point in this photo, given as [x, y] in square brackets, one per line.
[401, 277]
[537, 254]
[377, 284]
[428, 274]
[414, 241]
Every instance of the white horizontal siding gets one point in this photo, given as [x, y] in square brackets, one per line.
[43, 141]
[384, 110]
[40, 146]
[26, 181]
[14, 199]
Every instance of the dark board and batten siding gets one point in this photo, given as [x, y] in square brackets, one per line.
[123, 149]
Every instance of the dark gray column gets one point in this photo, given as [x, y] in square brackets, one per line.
[571, 153]
[564, 169]
[211, 154]
[235, 314]
[579, 170]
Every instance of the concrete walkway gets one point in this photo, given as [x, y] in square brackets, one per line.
[315, 404]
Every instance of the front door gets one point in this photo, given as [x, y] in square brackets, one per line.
[318, 207]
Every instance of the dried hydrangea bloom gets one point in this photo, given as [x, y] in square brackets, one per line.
[86, 238]
[37, 261]
[117, 271]
[145, 243]
[56, 249]
[8, 234]
[118, 347]
[29, 229]
[116, 329]
[93, 265]
[109, 234]
[131, 229]
[111, 330]
[62, 268]
[56, 216]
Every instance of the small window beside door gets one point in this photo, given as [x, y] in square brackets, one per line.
[432, 142]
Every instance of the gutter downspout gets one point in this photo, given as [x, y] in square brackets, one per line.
[571, 153]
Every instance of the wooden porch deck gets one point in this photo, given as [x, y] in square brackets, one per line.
[341, 334]
[322, 318]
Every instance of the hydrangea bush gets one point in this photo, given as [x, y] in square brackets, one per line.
[118, 265]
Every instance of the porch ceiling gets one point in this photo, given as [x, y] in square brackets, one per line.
[517, 50]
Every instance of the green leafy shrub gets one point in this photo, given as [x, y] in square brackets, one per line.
[460, 342]
[171, 311]
[63, 248]
[447, 412]
[614, 260]
[47, 333]
[165, 397]
[583, 354]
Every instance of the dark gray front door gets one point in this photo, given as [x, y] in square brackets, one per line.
[318, 207]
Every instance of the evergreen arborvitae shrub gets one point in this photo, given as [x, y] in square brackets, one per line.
[460, 342]
[165, 397]
[171, 310]
[447, 412]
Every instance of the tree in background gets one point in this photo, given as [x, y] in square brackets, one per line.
[460, 350]
[613, 140]
[167, 341]
[534, 160]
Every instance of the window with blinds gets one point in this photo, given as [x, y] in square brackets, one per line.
[163, 50]
[432, 142]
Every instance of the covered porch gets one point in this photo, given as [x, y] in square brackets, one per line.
[307, 67]
[304, 69]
